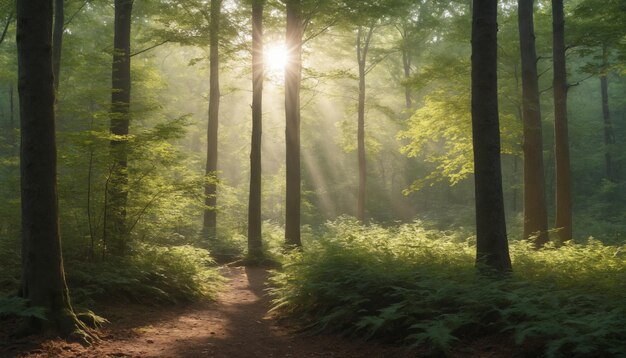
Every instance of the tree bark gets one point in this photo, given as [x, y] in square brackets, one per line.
[210, 189]
[120, 121]
[43, 277]
[57, 40]
[492, 249]
[535, 212]
[362, 47]
[563, 220]
[293, 77]
[255, 243]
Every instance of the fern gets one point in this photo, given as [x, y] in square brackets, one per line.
[416, 285]
[16, 306]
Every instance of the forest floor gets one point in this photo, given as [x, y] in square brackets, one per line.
[237, 325]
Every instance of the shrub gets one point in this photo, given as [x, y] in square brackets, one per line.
[151, 275]
[419, 286]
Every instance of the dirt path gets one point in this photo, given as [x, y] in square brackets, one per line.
[236, 326]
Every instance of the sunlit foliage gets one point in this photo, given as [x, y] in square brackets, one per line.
[419, 286]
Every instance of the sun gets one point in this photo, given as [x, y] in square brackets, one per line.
[276, 58]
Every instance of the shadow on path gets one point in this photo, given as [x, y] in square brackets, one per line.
[236, 326]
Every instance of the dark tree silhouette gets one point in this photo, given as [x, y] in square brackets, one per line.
[255, 245]
[535, 211]
[293, 77]
[43, 277]
[492, 248]
[563, 221]
[120, 121]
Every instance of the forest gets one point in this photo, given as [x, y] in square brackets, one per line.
[308, 178]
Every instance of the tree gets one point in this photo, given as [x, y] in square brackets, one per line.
[120, 121]
[491, 241]
[210, 188]
[366, 15]
[255, 244]
[293, 78]
[7, 19]
[563, 221]
[600, 34]
[415, 26]
[43, 276]
[363, 40]
[535, 211]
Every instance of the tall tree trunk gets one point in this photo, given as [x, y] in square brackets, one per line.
[609, 136]
[535, 212]
[43, 277]
[492, 248]
[362, 47]
[210, 189]
[120, 120]
[255, 243]
[57, 40]
[563, 221]
[293, 77]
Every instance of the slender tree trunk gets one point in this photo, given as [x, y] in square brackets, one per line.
[43, 277]
[609, 136]
[535, 212]
[492, 248]
[210, 189]
[362, 47]
[293, 77]
[406, 62]
[563, 220]
[5, 29]
[255, 243]
[120, 121]
[57, 40]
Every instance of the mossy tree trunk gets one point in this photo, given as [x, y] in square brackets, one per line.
[43, 277]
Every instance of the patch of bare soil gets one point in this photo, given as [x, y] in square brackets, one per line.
[235, 326]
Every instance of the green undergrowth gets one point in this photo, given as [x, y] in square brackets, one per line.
[152, 275]
[231, 245]
[417, 286]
